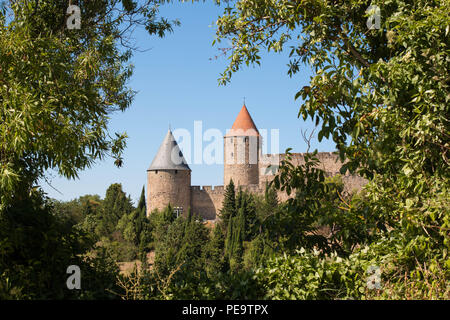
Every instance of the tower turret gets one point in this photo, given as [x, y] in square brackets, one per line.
[242, 151]
[168, 178]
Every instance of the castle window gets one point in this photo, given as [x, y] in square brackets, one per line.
[176, 171]
[231, 140]
[178, 211]
[232, 154]
[156, 172]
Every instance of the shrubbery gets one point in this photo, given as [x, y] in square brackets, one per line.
[37, 245]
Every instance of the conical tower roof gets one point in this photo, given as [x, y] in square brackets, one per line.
[243, 125]
[169, 156]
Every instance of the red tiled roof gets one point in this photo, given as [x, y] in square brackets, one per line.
[243, 125]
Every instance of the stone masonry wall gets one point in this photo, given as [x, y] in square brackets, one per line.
[353, 183]
[166, 187]
[241, 160]
[329, 162]
[207, 201]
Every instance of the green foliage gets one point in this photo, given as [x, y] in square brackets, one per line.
[113, 222]
[306, 276]
[160, 222]
[115, 205]
[234, 247]
[191, 263]
[36, 248]
[135, 225]
[75, 211]
[382, 96]
[214, 254]
[384, 88]
[245, 201]
[229, 204]
[193, 286]
[181, 246]
[141, 223]
[119, 249]
[268, 204]
[59, 87]
[314, 216]
[256, 253]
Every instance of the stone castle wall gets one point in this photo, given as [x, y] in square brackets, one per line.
[241, 160]
[166, 187]
[207, 201]
[353, 183]
[329, 162]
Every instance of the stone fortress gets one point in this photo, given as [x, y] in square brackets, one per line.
[169, 176]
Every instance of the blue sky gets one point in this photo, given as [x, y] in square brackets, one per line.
[177, 83]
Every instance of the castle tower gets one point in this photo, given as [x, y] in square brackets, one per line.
[242, 151]
[168, 178]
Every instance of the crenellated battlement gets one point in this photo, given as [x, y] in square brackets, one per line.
[209, 189]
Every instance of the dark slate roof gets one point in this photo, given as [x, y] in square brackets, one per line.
[169, 156]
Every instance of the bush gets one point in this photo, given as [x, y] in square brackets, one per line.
[36, 248]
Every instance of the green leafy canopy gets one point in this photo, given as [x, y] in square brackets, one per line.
[59, 87]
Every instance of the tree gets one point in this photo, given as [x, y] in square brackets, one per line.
[234, 246]
[215, 258]
[382, 95]
[115, 206]
[195, 237]
[58, 87]
[37, 247]
[229, 239]
[181, 246]
[266, 206]
[90, 204]
[229, 205]
[270, 199]
[257, 253]
[75, 212]
[246, 202]
[160, 221]
[133, 224]
[143, 232]
[368, 84]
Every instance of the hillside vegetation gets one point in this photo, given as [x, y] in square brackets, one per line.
[381, 94]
